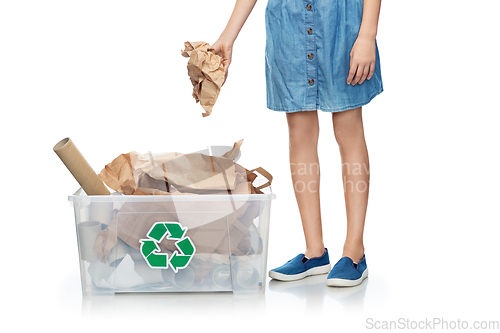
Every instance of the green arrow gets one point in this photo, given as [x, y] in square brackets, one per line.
[147, 247]
[157, 260]
[157, 231]
[186, 246]
[179, 261]
[175, 230]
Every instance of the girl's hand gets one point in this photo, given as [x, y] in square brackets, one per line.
[362, 64]
[224, 49]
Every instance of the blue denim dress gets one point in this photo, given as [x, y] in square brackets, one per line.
[308, 44]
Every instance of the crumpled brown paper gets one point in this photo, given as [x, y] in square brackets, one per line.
[206, 72]
[177, 173]
[189, 174]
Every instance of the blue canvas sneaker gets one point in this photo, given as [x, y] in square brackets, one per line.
[300, 267]
[346, 273]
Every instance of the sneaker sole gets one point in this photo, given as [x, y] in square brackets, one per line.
[312, 271]
[345, 282]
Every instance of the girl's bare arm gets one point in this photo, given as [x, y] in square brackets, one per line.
[362, 54]
[224, 45]
[241, 11]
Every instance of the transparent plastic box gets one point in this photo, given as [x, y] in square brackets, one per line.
[172, 243]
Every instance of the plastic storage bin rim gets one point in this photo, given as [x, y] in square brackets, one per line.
[117, 197]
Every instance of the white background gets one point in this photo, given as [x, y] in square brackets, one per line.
[109, 74]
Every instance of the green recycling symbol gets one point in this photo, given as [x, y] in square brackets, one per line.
[151, 251]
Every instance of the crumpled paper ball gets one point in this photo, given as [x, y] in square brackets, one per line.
[206, 72]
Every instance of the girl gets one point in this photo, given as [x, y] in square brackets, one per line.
[320, 55]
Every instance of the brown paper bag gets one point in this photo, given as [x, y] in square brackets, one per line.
[186, 172]
[196, 171]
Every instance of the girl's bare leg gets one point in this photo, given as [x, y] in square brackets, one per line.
[303, 130]
[349, 133]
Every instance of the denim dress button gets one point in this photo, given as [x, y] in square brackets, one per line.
[311, 82]
[310, 55]
[308, 6]
[309, 31]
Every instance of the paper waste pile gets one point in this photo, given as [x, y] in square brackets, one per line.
[223, 228]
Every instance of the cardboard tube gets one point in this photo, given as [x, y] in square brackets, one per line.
[80, 168]
[222, 276]
[101, 211]
[246, 275]
[183, 279]
[87, 235]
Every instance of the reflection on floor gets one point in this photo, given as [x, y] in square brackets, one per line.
[310, 294]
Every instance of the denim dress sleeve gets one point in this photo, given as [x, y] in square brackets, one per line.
[307, 55]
